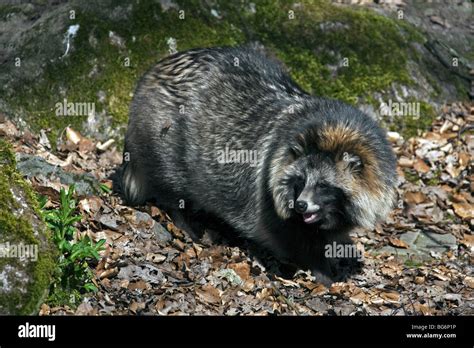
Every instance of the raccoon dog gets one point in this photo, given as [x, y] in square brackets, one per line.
[226, 131]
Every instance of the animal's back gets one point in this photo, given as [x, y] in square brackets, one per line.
[190, 113]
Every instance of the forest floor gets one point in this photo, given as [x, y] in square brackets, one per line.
[419, 262]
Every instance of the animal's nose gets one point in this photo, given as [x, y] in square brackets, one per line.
[301, 206]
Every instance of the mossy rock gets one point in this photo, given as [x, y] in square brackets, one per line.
[24, 282]
[355, 55]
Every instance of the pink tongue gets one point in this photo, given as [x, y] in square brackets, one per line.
[308, 217]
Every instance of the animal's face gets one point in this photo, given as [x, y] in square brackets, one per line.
[314, 186]
[333, 177]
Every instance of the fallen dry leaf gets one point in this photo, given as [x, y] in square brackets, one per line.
[390, 296]
[209, 294]
[156, 258]
[458, 198]
[287, 282]
[108, 273]
[393, 137]
[464, 210]
[422, 308]
[136, 306]
[104, 146]
[398, 243]
[440, 276]
[419, 280]
[358, 296]
[415, 197]
[140, 285]
[8, 129]
[420, 166]
[242, 269]
[464, 159]
[86, 145]
[319, 290]
[468, 240]
[85, 308]
[45, 310]
[91, 204]
[265, 293]
[469, 281]
[391, 269]
[336, 288]
[405, 162]
[72, 135]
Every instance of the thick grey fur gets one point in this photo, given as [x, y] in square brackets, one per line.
[192, 105]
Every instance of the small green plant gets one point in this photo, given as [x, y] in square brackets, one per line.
[413, 263]
[411, 177]
[105, 189]
[436, 179]
[73, 276]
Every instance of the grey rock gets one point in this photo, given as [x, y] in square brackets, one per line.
[116, 40]
[167, 4]
[146, 272]
[33, 166]
[109, 221]
[143, 218]
[146, 225]
[429, 241]
[317, 305]
[161, 233]
[457, 298]
[422, 245]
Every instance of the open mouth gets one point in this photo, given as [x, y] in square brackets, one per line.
[309, 218]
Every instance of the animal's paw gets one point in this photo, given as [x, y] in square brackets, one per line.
[322, 278]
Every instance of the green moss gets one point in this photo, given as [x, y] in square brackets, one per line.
[413, 263]
[61, 297]
[451, 217]
[413, 125]
[411, 177]
[6, 10]
[145, 33]
[10, 178]
[18, 229]
[373, 47]
[436, 179]
[320, 36]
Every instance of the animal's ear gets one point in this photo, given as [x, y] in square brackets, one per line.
[352, 162]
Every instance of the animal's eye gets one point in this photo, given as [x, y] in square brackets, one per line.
[299, 182]
[296, 151]
[322, 186]
[298, 186]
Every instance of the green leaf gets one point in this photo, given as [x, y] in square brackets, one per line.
[104, 188]
[90, 287]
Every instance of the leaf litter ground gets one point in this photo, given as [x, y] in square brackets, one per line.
[419, 262]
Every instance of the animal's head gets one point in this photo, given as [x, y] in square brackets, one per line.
[334, 176]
